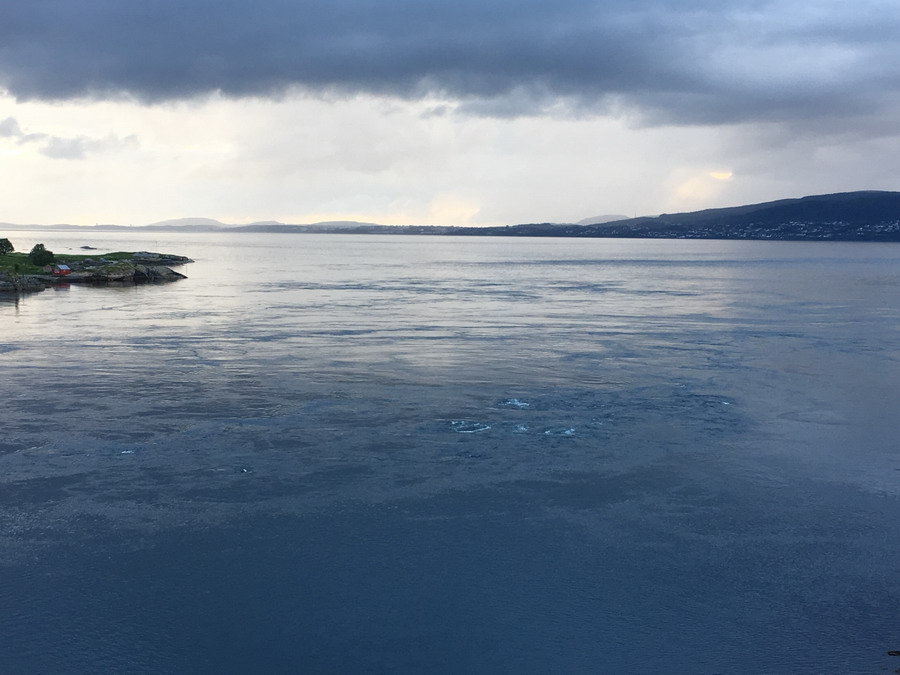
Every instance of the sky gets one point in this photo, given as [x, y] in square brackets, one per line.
[475, 112]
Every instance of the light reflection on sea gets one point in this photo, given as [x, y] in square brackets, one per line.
[359, 453]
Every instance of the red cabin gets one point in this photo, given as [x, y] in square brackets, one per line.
[60, 270]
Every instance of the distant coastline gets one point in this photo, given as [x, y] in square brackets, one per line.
[847, 216]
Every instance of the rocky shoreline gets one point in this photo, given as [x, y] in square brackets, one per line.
[142, 267]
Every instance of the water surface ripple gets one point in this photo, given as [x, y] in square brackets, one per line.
[328, 453]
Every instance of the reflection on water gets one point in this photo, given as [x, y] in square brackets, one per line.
[359, 453]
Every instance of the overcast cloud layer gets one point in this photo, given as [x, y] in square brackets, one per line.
[476, 112]
[684, 61]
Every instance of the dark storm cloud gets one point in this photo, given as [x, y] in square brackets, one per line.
[688, 61]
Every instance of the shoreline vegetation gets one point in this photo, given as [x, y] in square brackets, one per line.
[19, 272]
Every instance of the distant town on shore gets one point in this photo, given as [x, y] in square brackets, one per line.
[847, 216]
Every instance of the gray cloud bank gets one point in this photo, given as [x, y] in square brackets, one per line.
[59, 147]
[672, 61]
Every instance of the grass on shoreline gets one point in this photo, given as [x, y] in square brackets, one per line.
[9, 261]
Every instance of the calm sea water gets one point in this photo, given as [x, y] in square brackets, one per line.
[342, 454]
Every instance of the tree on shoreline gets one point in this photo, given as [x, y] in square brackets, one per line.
[40, 256]
[6, 246]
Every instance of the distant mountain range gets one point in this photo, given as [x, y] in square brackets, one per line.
[208, 225]
[599, 220]
[194, 224]
[846, 216]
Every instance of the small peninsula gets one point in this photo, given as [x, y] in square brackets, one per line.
[41, 269]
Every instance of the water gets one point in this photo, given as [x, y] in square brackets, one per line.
[327, 453]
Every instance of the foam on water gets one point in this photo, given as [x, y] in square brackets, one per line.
[560, 431]
[469, 426]
[515, 403]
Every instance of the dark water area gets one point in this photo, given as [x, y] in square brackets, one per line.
[325, 453]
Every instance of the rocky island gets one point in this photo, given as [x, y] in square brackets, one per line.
[19, 272]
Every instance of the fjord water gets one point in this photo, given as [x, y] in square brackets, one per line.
[336, 453]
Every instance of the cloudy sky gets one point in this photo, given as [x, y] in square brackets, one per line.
[406, 111]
